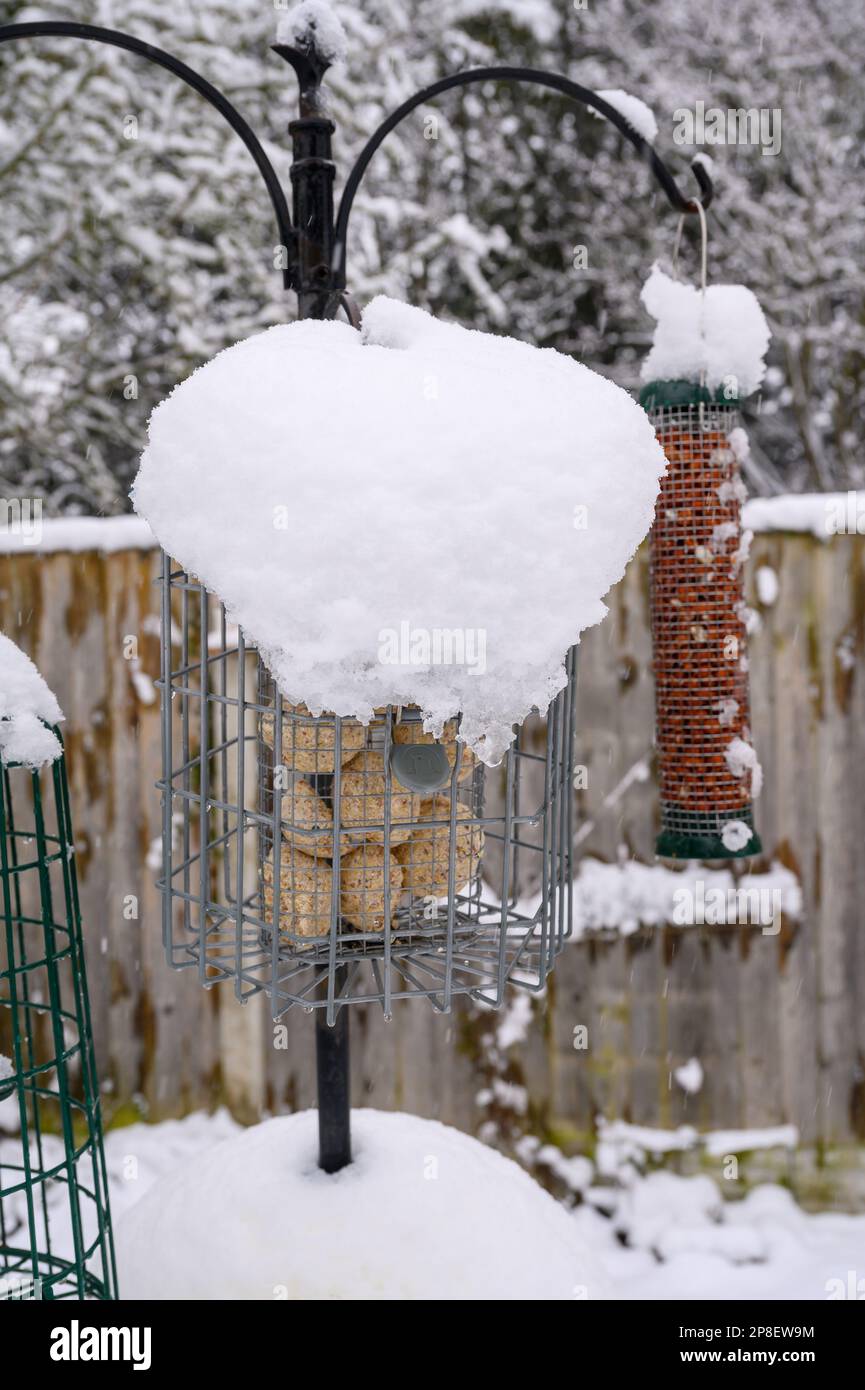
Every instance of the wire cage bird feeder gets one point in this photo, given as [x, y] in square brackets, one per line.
[329, 863]
[55, 1227]
[706, 763]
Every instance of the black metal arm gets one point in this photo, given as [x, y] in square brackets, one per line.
[95, 34]
[537, 77]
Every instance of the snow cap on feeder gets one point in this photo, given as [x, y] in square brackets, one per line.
[27, 708]
[707, 354]
[344, 492]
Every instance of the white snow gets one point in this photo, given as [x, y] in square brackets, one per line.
[690, 1076]
[804, 1255]
[627, 897]
[738, 1141]
[845, 652]
[649, 1208]
[741, 758]
[620, 1142]
[735, 835]
[105, 534]
[576, 1172]
[779, 1253]
[337, 490]
[740, 555]
[722, 335]
[635, 112]
[723, 532]
[26, 706]
[732, 490]
[728, 708]
[142, 683]
[505, 1094]
[766, 581]
[314, 22]
[423, 1212]
[824, 514]
[740, 444]
[514, 1020]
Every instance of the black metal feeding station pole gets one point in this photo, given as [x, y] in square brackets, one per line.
[314, 237]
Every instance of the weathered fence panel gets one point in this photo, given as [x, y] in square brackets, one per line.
[778, 1022]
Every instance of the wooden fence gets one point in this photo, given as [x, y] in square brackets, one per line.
[777, 1022]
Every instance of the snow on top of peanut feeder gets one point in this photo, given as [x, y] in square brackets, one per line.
[422, 1213]
[722, 335]
[25, 702]
[415, 514]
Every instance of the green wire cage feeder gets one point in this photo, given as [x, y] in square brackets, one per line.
[55, 1229]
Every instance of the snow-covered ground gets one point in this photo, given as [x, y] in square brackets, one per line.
[685, 1241]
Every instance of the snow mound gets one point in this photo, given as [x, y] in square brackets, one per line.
[104, 535]
[25, 702]
[735, 835]
[423, 1212]
[629, 896]
[314, 23]
[741, 758]
[416, 514]
[724, 334]
[635, 111]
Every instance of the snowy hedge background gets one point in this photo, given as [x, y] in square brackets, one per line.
[137, 239]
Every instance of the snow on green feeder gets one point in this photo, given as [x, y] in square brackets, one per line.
[55, 1227]
[707, 354]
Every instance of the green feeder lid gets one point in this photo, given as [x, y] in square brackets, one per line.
[656, 395]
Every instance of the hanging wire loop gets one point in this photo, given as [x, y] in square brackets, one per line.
[96, 34]
[535, 77]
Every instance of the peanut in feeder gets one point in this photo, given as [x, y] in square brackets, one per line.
[308, 743]
[373, 802]
[370, 880]
[425, 858]
[305, 893]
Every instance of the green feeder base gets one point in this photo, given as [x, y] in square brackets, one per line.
[698, 834]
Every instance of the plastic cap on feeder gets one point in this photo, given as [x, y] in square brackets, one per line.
[709, 347]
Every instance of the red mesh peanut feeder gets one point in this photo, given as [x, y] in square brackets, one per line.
[708, 770]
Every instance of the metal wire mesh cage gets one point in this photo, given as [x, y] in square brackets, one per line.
[698, 628]
[55, 1230]
[327, 862]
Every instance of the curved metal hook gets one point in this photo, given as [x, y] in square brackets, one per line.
[95, 34]
[538, 77]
